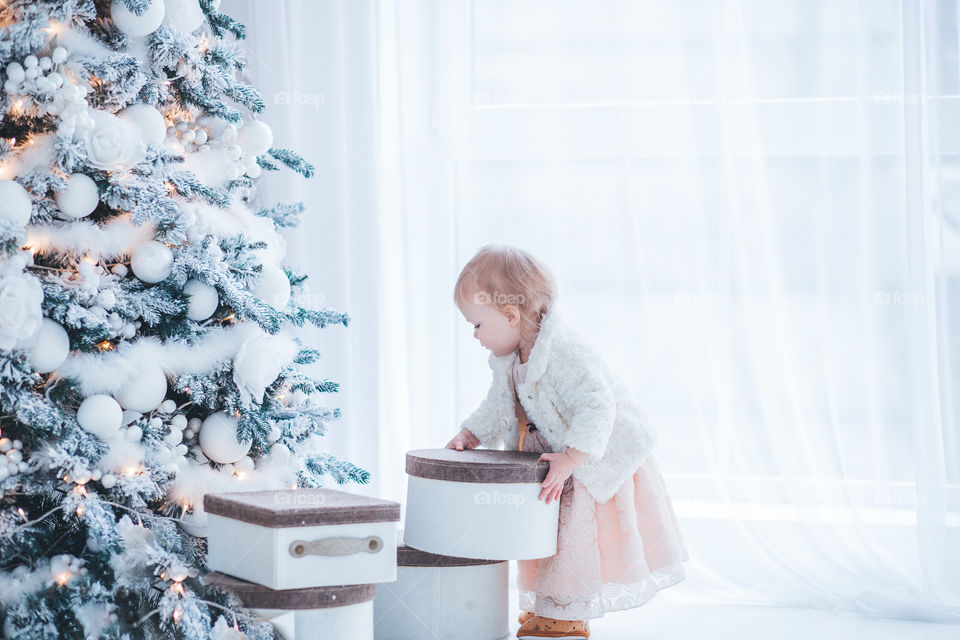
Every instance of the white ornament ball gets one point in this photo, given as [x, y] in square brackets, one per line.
[203, 300]
[5, 445]
[179, 421]
[31, 72]
[133, 434]
[254, 138]
[100, 415]
[195, 424]
[244, 464]
[30, 61]
[14, 456]
[145, 391]
[168, 406]
[15, 72]
[274, 434]
[108, 480]
[49, 347]
[152, 262]
[80, 197]
[59, 55]
[273, 287]
[15, 202]
[134, 25]
[183, 15]
[153, 128]
[218, 439]
[45, 63]
[81, 475]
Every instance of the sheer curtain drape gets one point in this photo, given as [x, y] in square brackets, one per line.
[751, 206]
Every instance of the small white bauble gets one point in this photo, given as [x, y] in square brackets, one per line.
[254, 138]
[168, 406]
[179, 421]
[45, 63]
[203, 300]
[144, 391]
[133, 434]
[15, 202]
[244, 464]
[80, 197]
[273, 287]
[6, 444]
[134, 25]
[218, 439]
[30, 61]
[173, 438]
[183, 15]
[4, 474]
[15, 72]
[49, 347]
[195, 424]
[81, 475]
[274, 434]
[108, 480]
[153, 128]
[152, 262]
[14, 456]
[119, 269]
[100, 415]
[59, 55]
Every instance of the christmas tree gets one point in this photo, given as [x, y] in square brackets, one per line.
[147, 345]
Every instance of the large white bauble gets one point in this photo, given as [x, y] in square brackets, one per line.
[134, 25]
[80, 197]
[203, 300]
[273, 287]
[15, 202]
[49, 347]
[144, 391]
[254, 138]
[100, 415]
[183, 15]
[152, 262]
[218, 439]
[153, 128]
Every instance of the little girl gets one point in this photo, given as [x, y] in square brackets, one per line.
[618, 543]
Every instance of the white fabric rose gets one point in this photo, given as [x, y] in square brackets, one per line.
[113, 143]
[259, 361]
[21, 313]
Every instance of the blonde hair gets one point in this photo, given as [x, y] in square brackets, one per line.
[501, 275]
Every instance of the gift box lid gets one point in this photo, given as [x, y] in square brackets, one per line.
[477, 465]
[257, 596]
[407, 556]
[300, 507]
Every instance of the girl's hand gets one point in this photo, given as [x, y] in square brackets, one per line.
[463, 440]
[561, 467]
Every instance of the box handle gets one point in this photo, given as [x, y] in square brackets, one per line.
[336, 546]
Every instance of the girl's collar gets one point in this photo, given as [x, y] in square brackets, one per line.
[537, 362]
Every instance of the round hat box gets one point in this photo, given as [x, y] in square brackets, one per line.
[343, 611]
[443, 598]
[479, 503]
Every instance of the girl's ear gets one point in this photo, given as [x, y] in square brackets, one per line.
[513, 314]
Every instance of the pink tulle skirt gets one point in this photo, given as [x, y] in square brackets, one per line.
[610, 556]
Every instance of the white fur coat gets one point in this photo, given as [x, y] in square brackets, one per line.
[575, 400]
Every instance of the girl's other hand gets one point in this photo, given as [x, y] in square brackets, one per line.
[463, 440]
[561, 467]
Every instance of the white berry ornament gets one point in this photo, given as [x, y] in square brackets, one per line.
[132, 24]
[144, 391]
[202, 300]
[48, 348]
[100, 415]
[15, 202]
[218, 439]
[152, 262]
[80, 197]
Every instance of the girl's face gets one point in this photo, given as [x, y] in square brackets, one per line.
[498, 331]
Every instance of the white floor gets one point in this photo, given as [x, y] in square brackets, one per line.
[674, 615]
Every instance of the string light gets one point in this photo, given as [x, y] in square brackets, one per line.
[177, 614]
[106, 345]
[63, 578]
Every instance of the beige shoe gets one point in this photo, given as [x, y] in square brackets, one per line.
[539, 627]
[524, 616]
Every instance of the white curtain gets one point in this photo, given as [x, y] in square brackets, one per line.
[752, 207]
